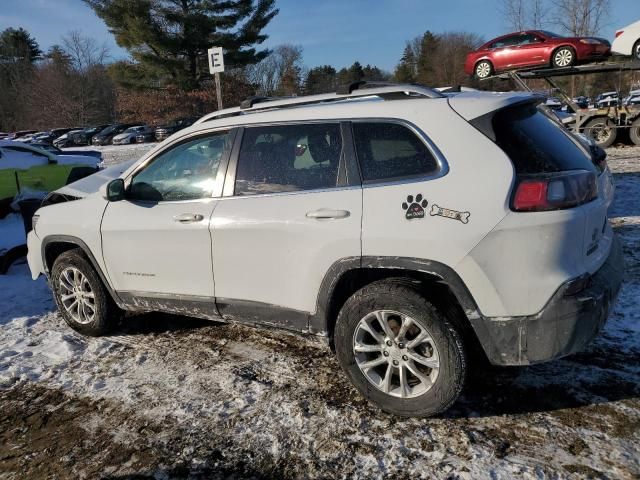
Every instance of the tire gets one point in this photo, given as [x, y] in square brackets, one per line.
[105, 312]
[634, 131]
[395, 301]
[635, 53]
[601, 131]
[483, 69]
[563, 57]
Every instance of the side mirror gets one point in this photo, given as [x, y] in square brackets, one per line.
[115, 190]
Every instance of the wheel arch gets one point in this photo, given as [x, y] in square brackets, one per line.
[55, 245]
[439, 282]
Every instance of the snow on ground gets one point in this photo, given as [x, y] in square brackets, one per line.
[113, 154]
[167, 396]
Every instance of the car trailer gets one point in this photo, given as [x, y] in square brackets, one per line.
[602, 124]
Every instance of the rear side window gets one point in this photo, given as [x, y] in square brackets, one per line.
[288, 158]
[390, 151]
[537, 144]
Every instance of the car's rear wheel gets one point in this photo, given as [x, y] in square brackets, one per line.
[563, 57]
[484, 69]
[80, 295]
[602, 131]
[634, 131]
[636, 50]
[400, 352]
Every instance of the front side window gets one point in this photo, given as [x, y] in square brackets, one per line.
[186, 172]
[288, 158]
[390, 151]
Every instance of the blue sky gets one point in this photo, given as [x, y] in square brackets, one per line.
[335, 32]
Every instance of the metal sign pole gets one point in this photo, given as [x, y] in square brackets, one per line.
[218, 90]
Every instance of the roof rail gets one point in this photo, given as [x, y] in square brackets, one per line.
[384, 90]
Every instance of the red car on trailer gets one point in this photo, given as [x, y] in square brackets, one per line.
[533, 48]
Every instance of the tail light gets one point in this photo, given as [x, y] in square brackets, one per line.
[619, 32]
[554, 191]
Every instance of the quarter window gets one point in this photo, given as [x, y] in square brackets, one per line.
[388, 151]
[186, 172]
[288, 158]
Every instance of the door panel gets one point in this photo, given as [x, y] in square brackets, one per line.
[158, 240]
[269, 249]
[147, 249]
[287, 215]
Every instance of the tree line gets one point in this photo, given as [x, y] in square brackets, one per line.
[166, 76]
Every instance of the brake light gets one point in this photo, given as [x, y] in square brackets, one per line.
[619, 32]
[554, 192]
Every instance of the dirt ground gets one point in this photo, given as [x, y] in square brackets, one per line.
[172, 397]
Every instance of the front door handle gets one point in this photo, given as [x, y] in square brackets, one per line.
[188, 218]
[325, 213]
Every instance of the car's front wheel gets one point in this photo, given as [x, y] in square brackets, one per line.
[636, 51]
[484, 69]
[80, 295]
[400, 352]
[563, 57]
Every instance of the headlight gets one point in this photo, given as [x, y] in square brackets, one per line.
[590, 41]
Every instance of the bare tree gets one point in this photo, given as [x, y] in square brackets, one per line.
[83, 51]
[280, 73]
[524, 14]
[514, 12]
[581, 17]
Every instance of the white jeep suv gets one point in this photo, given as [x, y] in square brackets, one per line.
[404, 225]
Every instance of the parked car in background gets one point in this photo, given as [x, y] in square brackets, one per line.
[165, 131]
[84, 136]
[65, 140]
[632, 100]
[20, 133]
[56, 151]
[106, 136]
[129, 135]
[146, 136]
[607, 99]
[37, 169]
[627, 41]
[51, 135]
[533, 48]
[581, 101]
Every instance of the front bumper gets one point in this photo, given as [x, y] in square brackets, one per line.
[564, 326]
[34, 255]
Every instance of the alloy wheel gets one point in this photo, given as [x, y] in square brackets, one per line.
[563, 57]
[396, 354]
[483, 70]
[76, 295]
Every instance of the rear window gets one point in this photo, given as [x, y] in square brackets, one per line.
[537, 144]
[389, 151]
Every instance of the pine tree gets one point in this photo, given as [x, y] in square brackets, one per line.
[18, 45]
[320, 80]
[425, 65]
[169, 39]
[406, 69]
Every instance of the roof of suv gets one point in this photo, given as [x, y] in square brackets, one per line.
[388, 102]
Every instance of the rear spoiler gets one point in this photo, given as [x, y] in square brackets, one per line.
[479, 109]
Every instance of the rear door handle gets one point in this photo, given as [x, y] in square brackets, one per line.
[188, 218]
[324, 213]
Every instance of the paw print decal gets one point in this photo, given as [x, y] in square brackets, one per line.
[414, 208]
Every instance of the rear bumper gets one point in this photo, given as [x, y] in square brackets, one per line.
[564, 326]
